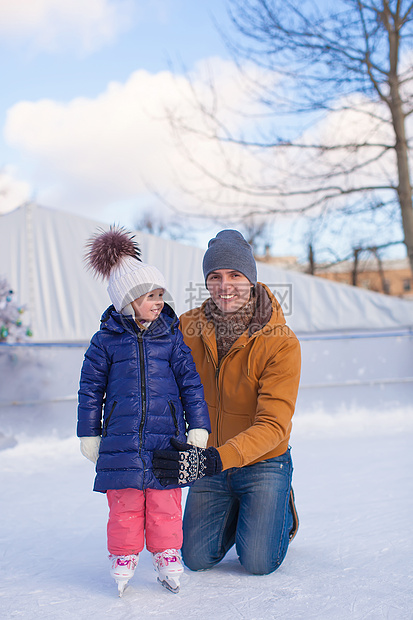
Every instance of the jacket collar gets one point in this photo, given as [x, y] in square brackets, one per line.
[116, 322]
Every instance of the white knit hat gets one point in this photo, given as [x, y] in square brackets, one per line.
[130, 280]
[114, 255]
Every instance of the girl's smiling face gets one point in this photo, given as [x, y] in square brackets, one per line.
[149, 306]
[229, 289]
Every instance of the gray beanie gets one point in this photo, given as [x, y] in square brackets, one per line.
[229, 250]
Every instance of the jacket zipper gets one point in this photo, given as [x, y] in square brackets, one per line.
[173, 412]
[217, 371]
[105, 428]
[217, 383]
[218, 401]
[143, 389]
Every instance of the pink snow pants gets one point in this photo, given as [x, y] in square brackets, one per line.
[132, 513]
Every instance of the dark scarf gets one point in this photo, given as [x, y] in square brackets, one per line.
[229, 326]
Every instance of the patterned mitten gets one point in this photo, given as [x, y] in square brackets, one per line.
[185, 464]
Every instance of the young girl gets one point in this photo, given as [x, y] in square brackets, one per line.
[139, 371]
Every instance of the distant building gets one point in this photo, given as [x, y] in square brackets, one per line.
[284, 262]
[395, 277]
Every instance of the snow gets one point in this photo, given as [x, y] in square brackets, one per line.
[351, 558]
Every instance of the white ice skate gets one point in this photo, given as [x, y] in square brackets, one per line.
[122, 568]
[169, 568]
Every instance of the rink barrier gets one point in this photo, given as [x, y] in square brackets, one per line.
[45, 345]
[353, 383]
[305, 337]
[32, 403]
[357, 382]
[329, 336]
[406, 332]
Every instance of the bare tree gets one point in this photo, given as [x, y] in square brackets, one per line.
[343, 67]
[311, 260]
[357, 262]
[257, 233]
[358, 266]
[355, 271]
[174, 229]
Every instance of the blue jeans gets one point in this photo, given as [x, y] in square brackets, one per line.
[248, 506]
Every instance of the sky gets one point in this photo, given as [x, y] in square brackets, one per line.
[87, 88]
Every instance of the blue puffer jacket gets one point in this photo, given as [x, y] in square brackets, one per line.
[150, 389]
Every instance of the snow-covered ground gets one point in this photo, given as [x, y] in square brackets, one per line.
[352, 557]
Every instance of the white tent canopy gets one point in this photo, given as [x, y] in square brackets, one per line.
[41, 255]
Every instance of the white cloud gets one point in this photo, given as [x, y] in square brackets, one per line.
[112, 147]
[13, 191]
[94, 153]
[53, 25]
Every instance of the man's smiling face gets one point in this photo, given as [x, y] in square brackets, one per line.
[229, 289]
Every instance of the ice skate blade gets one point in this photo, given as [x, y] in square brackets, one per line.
[169, 586]
[121, 587]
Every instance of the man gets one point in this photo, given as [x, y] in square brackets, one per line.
[249, 364]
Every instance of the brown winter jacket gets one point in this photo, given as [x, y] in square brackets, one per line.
[251, 396]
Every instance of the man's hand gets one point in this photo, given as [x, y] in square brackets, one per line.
[185, 464]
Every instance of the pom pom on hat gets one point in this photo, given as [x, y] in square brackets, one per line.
[107, 249]
[114, 255]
